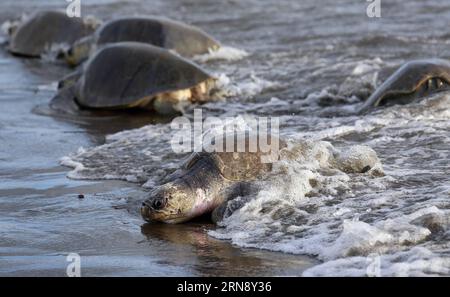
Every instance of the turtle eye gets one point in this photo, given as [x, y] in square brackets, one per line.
[439, 83]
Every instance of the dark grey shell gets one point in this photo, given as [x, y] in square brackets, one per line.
[408, 79]
[245, 165]
[121, 74]
[186, 40]
[44, 29]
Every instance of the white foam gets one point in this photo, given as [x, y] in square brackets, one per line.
[77, 167]
[245, 88]
[356, 238]
[415, 262]
[48, 87]
[364, 67]
[12, 24]
[6, 27]
[226, 53]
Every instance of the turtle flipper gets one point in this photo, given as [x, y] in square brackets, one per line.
[234, 198]
[70, 79]
[64, 100]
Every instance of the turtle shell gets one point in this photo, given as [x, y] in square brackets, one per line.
[121, 74]
[409, 78]
[44, 29]
[186, 40]
[240, 164]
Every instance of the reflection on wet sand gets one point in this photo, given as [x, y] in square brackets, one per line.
[100, 123]
[212, 257]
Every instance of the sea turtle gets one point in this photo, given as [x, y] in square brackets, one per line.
[410, 82]
[44, 30]
[129, 75]
[184, 39]
[210, 180]
[207, 180]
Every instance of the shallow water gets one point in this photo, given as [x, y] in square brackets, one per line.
[304, 61]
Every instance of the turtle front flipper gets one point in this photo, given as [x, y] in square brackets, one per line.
[234, 197]
[64, 100]
[218, 214]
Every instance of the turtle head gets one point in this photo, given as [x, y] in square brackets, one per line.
[170, 203]
[79, 51]
[193, 191]
[196, 42]
[414, 80]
